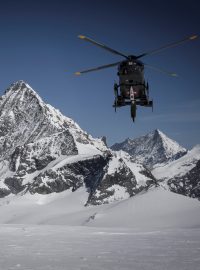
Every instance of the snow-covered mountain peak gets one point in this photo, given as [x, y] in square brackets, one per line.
[158, 134]
[169, 145]
[35, 137]
[158, 131]
[20, 84]
[21, 103]
[25, 119]
[19, 88]
[21, 91]
[153, 148]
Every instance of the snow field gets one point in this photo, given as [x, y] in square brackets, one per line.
[154, 230]
[84, 248]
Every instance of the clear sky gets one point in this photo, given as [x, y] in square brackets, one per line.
[39, 44]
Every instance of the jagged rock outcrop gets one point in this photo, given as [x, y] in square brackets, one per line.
[122, 179]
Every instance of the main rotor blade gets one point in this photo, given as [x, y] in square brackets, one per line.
[102, 46]
[97, 68]
[168, 46]
[162, 70]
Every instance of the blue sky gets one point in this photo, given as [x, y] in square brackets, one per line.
[39, 44]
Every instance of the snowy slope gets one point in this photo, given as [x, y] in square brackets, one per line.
[154, 209]
[153, 230]
[179, 167]
[151, 149]
[157, 208]
[182, 175]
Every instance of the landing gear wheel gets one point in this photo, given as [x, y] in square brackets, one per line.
[133, 110]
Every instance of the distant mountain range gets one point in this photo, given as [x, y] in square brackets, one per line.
[174, 167]
[42, 151]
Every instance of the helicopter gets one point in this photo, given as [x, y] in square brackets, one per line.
[132, 88]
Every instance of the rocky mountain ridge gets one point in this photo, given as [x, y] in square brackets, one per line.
[151, 149]
[183, 175]
[173, 167]
[42, 151]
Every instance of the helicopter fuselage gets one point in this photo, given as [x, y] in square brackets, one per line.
[132, 86]
[131, 76]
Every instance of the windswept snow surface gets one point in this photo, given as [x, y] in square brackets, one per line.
[82, 248]
[151, 231]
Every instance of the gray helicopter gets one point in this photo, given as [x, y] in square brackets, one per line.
[132, 88]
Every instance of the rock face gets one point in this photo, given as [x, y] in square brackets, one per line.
[42, 151]
[122, 179]
[26, 121]
[152, 149]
